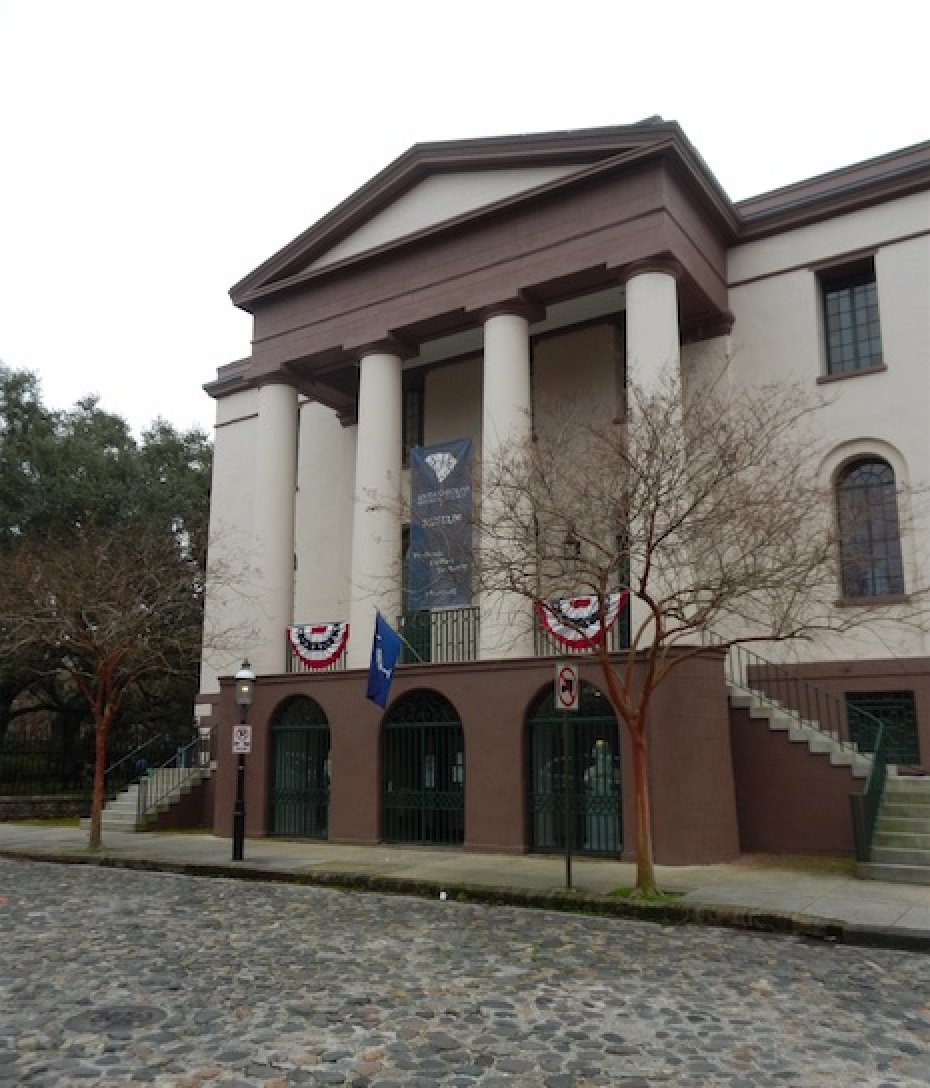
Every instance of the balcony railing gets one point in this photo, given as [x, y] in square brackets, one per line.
[441, 637]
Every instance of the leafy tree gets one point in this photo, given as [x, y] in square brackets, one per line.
[76, 485]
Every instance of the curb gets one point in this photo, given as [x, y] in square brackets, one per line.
[748, 919]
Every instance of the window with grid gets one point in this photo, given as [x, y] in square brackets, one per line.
[851, 323]
[870, 538]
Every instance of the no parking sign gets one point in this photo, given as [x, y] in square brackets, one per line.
[567, 687]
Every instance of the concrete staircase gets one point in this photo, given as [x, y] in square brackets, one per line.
[820, 742]
[161, 787]
[901, 844]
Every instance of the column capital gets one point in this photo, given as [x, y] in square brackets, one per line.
[668, 266]
[390, 345]
[519, 305]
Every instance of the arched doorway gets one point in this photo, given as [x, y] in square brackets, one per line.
[589, 771]
[300, 770]
[423, 771]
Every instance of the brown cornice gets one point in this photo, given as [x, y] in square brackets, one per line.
[837, 192]
[523, 306]
[607, 149]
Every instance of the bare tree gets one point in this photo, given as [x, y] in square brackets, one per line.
[105, 609]
[706, 507]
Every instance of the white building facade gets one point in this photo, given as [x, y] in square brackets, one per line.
[454, 295]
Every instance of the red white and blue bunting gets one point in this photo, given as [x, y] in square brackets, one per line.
[576, 622]
[318, 645]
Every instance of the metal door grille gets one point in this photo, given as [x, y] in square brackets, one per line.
[300, 769]
[897, 711]
[589, 770]
[423, 763]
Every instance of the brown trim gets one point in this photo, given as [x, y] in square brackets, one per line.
[238, 419]
[874, 181]
[398, 346]
[872, 602]
[828, 379]
[668, 266]
[523, 305]
[827, 262]
[605, 148]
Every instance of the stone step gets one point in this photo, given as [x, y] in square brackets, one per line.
[901, 840]
[896, 856]
[897, 794]
[904, 808]
[897, 874]
[917, 823]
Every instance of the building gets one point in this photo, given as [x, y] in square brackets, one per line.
[434, 305]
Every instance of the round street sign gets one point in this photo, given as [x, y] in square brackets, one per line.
[567, 687]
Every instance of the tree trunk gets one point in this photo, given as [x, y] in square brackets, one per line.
[645, 866]
[97, 797]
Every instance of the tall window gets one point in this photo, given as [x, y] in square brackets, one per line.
[870, 538]
[851, 323]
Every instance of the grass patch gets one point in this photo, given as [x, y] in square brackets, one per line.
[636, 896]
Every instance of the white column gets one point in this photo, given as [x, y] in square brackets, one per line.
[275, 483]
[653, 344]
[653, 351]
[506, 619]
[376, 527]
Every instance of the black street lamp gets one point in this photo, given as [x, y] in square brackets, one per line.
[245, 680]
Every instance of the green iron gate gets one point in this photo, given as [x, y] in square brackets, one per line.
[300, 770]
[423, 764]
[589, 771]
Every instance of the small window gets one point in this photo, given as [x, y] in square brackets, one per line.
[870, 538]
[413, 415]
[852, 329]
[896, 712]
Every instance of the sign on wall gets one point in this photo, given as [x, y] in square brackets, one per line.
[440, 555]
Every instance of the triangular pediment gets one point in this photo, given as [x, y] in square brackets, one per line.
[436, 186]
[441, 198]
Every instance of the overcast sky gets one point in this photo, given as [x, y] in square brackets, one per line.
[152, 153]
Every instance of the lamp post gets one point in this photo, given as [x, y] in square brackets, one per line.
[245, 679]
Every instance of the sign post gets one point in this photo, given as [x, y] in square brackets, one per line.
[567, 698]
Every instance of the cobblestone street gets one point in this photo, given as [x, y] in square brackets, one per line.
[114, 977]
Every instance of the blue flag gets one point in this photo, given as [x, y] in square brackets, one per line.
[385, 650]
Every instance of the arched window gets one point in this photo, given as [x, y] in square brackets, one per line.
[870, 538]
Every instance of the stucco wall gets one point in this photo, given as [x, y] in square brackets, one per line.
[789, 800]
[692, 786]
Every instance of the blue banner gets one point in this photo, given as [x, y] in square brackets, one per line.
[440, 555]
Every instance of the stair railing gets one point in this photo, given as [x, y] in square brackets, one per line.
[129, 766]
[866, 805]
[188, 764]
[816, 708]
[811, 706]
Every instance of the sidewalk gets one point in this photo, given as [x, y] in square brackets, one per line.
[800, 896]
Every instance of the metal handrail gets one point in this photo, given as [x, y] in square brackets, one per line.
[189, 761]
[134, 754]
[813, 707]
[866, 805]
[825, 712]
